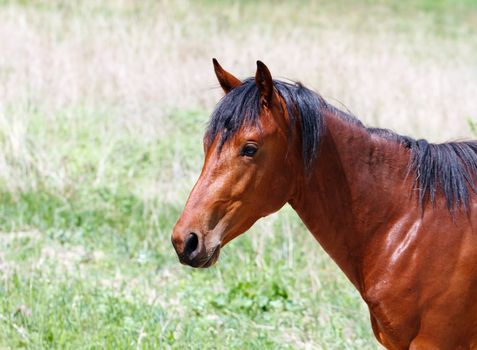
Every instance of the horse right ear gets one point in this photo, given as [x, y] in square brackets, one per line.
[226, 80]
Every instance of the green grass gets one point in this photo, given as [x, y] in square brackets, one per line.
[102, 110]
[92, 273]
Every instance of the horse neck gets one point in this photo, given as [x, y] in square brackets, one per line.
[359, 183]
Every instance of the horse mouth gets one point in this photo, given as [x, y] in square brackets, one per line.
[212, 258]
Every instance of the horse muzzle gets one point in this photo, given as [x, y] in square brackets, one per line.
[191, 249]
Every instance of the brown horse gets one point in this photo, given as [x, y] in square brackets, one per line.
[397, 215]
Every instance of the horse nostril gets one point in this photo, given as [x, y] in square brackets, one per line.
[191, 245]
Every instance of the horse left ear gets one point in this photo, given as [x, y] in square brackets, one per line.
[226, 80]
[264, 81]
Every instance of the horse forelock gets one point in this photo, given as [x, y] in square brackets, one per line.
[241, 106]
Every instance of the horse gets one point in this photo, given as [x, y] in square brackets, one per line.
[398, 215]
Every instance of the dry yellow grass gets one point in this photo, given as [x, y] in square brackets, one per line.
[147, 58]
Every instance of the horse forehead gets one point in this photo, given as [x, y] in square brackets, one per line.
[264, 129]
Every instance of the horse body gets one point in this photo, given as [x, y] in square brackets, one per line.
[405, 238]
[417, 271]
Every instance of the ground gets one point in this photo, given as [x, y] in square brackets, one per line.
[102, 109]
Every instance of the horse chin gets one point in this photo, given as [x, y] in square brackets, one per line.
[213, 257]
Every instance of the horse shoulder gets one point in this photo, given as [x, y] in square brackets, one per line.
[423, 277]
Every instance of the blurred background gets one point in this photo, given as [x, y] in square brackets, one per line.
[102, 109]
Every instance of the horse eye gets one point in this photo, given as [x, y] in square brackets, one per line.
[249, 150]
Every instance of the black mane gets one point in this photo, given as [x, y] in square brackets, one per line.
[448, 168]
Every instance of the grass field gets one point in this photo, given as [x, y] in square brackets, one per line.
[102, 109]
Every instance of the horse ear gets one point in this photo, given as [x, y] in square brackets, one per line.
[264, 81]
[226, 80]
